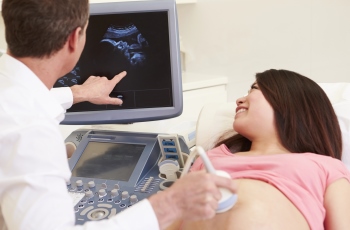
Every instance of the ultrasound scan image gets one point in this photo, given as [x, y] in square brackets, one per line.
[127, 41]
[120, 46]
[137, 43]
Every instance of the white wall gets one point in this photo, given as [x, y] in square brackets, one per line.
[238, 38]
[2, 35]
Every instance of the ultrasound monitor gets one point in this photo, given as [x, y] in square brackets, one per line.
[140, 37]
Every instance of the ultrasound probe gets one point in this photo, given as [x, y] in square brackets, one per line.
[228, 199]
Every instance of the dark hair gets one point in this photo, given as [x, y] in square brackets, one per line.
[304, 116]
[40, 28]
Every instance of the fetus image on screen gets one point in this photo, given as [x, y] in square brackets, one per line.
[127, 41]
[120, 48]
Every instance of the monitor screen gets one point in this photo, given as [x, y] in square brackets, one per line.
[108, 161]
[140, 38]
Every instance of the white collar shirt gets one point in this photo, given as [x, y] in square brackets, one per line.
[33, 165]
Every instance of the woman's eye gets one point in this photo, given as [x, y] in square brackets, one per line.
[252, 87]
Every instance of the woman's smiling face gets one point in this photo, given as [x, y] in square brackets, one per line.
[254, 115]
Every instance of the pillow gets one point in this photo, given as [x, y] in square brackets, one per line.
[342, 109]
[216, 119]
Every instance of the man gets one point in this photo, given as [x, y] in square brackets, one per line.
[45, 39]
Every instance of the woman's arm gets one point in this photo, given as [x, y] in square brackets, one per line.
[337, 204]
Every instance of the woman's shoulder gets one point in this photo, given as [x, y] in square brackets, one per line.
[329, 164]
[321, 158]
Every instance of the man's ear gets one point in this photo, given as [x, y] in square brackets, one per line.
[73, 39]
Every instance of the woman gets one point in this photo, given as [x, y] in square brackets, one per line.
[285, 158]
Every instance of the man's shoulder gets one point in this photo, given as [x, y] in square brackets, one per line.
[16, 101]
[14, 93]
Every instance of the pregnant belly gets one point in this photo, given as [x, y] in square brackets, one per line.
[259, 206]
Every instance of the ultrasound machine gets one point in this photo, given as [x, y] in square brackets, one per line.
[112, 170]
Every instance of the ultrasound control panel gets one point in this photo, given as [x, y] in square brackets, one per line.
[111, 171]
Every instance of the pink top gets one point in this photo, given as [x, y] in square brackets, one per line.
[301, 177]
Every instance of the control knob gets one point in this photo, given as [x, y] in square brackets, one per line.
[125, 195]
[91, 184]
[89, 194]
[133, 199]
[103, 185]
[79, 183]
[102, 192]
[114, 193]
